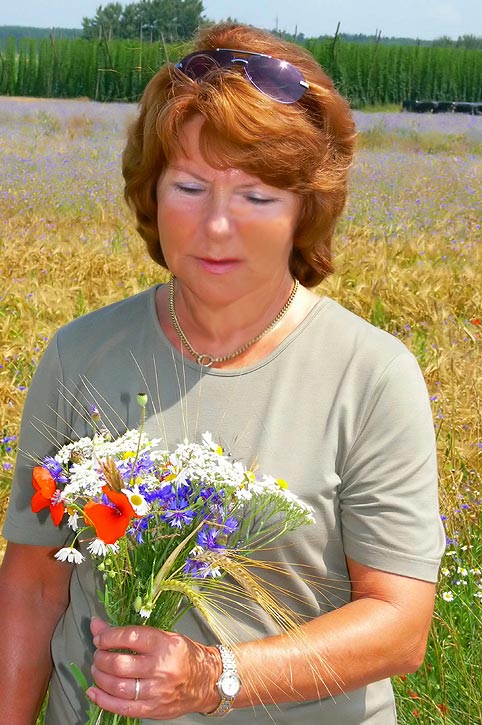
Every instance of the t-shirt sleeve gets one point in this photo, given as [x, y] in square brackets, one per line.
[43, 430]
[388, 495]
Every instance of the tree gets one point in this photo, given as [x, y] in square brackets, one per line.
[152, 19]
[107, 21]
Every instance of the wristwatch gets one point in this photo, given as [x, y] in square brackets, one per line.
[228, 684]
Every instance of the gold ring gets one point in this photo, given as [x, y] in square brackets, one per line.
[137, 691]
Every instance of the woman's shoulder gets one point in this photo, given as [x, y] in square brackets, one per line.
[126, 314]
[347, 331]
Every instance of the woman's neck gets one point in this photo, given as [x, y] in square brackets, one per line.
[219, 330]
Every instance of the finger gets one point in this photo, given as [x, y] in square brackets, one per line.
[140, 639]
[97, 625]
[123, 664]
[128, 637]
[126, 707]
[124, 688]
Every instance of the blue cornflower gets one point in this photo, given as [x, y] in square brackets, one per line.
[230, 525]
[209, 493]
[206, 492]
[197, 569]
[142, 466]
[164, 495]
[207, 538]
[180, 516]
[184, 489]
[55, 469]
[138, 528]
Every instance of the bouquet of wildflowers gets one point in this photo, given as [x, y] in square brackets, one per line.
[164, 527]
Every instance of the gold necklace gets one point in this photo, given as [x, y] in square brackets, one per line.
[205, 359]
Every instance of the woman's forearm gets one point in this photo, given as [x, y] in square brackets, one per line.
[26, 662]
[365, 641]
[30, 611]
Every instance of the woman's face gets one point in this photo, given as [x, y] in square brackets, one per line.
[224, 233]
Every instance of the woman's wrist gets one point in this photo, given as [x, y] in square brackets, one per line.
[213, 667]
[229, 683]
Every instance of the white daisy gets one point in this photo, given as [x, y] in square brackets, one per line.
[210, 443]
[146, 610]
[137, 500]
[73, 521]
[448, 596]
[97, 547]
[68, 553]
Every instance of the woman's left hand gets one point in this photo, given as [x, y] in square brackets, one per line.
[162, 676]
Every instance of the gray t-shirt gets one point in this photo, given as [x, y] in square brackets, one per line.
[339, 410]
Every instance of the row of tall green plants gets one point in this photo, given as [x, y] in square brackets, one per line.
[119, 69]
[380, 74]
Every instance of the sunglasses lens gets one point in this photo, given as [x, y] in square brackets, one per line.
[197, 65]
[277, 79]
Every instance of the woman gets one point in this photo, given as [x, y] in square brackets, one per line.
[237, 169]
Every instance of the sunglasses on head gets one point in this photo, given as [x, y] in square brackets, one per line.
[277, 79]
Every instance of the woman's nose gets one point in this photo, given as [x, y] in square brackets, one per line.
[218, 219]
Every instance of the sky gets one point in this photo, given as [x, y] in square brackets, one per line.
[425, 19]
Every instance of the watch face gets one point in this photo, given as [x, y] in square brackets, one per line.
[229, 684]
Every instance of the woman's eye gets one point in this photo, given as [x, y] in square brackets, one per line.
[254, 199]
[189, 189]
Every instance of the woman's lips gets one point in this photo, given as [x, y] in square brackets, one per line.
[218, 266]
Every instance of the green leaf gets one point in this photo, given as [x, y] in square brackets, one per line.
[79, 676]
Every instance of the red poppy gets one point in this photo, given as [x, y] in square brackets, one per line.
[476, 321]
[110, 522]
[46, 494]
[443, 709]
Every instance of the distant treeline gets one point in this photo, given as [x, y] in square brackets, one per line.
[467, 42]
[119, 69]
[19, 32]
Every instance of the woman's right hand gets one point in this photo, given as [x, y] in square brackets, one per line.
[141, 671]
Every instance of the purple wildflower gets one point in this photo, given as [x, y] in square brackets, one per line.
[55, 469]
[230, 525]
[138, 528]
[180, 516]
[142, 466]
[197, 569]
[207, 538]
[164, 495]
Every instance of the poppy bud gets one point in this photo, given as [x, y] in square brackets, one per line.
[142, 399]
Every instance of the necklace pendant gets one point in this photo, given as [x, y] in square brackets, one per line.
[205, 360]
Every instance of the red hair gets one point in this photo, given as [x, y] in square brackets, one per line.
[306, 147]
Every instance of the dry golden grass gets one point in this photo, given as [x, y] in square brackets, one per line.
[408, 258]
[59, 261]
[436, 309]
